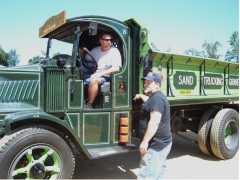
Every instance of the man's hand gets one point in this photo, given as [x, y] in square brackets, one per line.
[137, 96]
[143, 147]
[95, 77]
[141, 97]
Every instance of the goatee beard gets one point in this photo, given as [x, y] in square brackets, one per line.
[147, 91]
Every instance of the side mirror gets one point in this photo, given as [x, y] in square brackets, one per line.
[93, 28]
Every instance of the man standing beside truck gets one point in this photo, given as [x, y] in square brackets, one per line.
[154, 129]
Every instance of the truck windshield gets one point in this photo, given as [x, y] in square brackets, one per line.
[59, 47]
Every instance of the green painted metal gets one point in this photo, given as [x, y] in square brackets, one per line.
[73, 119]
[96, 128]
[208, 77]
[56, 90]
[68, 122]
[20, 89]
[33, 116]
[75, 101]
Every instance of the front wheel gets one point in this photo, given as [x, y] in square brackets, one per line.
[35, 153]
[224, 135]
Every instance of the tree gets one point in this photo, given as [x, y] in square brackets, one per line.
[193, 52]
[154, 46]
[34, 60]
[13, 58]
[210, 49]
[3, 57]
[38, 59]
[169, 49]
[232, 55]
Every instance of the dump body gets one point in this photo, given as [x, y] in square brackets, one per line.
[49, 97]
[194, 80]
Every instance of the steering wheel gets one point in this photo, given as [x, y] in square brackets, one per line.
[90, 65]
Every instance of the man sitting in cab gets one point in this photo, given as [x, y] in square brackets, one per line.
[109, 61]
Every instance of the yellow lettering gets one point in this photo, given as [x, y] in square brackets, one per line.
[182, 92]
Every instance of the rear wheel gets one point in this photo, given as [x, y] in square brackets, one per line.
[224, 135]
[204, 130]
[35, 153]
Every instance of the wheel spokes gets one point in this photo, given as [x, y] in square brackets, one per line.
[32, 160]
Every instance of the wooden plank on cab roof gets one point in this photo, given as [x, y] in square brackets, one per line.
[52, 23]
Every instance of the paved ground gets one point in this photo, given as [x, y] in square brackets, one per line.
[185, 161]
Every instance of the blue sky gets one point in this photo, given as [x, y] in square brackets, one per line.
[175, 24]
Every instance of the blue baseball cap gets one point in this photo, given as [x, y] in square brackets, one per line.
[151, 76]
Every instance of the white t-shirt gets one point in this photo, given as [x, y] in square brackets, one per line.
[107, 59]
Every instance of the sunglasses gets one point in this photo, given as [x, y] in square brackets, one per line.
[106, 40]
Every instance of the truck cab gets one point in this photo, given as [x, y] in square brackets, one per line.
[66, 93]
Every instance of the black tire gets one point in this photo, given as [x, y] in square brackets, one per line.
[204, 129]
[36, 153]
[224, 137]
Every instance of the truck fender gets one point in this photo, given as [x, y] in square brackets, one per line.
[23, 116]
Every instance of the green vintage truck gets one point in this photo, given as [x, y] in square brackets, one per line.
[42, 115]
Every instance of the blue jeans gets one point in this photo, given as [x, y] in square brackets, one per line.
[153, 163]
[103, 79]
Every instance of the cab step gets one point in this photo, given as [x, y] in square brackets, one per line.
[118, 149]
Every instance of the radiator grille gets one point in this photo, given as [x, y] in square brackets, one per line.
[56, 90]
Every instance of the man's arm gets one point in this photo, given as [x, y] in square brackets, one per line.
[141, 96]
[155, 118]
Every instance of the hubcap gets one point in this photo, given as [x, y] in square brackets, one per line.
[231, 134]
[37, 171]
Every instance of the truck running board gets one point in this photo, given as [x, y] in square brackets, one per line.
[108, 151]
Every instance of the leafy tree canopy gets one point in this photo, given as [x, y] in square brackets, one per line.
[34, 60]
[37, 59]
[13, 59]
[154, 46]
[210, 49]
[193, 52]
[3, 57]
[233, 53]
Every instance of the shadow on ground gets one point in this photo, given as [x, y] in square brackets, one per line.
[124, 166]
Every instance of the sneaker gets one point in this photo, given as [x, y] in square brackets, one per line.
[88, 106]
